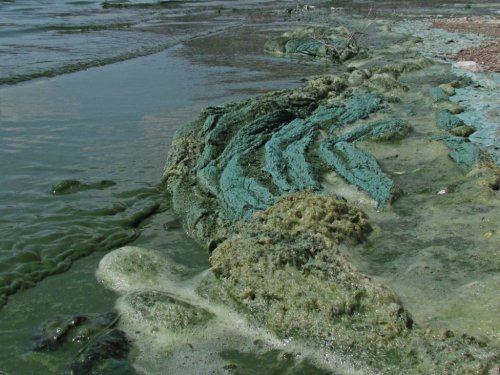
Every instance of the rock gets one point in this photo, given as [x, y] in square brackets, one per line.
[438, 94]
[463, 152]
[385, 83]
[451, 107]
[448, 89]
[445, 120]
[300, 285]
[107, 355]
[152, 310]
[322, 42]
[133, 268]
[462, 131]
[62, 330]
[100, 347]
[74, 186]
[357, 77]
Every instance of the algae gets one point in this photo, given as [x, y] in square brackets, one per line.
[445, 120]
[359, 168]
[219, 166]
[465, 153]
[287, 263]
[438, 94]
[286, 267]
[332, 43]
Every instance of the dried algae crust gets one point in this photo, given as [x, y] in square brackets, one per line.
[247, 178]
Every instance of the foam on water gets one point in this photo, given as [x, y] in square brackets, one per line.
[189, 326]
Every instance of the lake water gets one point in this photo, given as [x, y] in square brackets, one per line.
[81, 154]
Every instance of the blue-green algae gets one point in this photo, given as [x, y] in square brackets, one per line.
[445, 120]
[384, 130]
[285, 156]
[359, 168]
[437, 94]
[462, 151]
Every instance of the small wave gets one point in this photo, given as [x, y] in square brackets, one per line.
[83, 65]
[142, 5]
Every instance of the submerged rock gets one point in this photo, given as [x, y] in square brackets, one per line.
[74, 186]
[100, 348]
[465, 153]
[107, 355]
[153, 310]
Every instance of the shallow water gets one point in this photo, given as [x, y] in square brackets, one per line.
[108, 128]
[111, 124]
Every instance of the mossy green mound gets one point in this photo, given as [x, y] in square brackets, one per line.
[286, 267]
[335, 43]
[241, 157]
[132, 268]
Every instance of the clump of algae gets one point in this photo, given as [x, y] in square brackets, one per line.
[287, 267]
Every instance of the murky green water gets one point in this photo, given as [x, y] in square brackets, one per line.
[109, 128]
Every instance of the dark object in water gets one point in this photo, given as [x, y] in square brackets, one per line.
[100, 348]
[106, 355]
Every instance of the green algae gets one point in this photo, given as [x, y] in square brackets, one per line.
[48, 253]
[332, 43]
[359, 168]
[438, 94]
[286, 267]
[463, 152]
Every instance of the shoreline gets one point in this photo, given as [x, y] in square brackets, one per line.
[211, 215]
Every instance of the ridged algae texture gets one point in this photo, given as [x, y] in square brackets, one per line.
[241, 157]
[359, 168]
[462, 151]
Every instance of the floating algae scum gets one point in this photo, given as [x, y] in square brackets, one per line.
[351, 227]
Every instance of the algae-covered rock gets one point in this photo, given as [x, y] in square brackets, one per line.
[437, 94]
[286, 267]
[359, 168]
[462, 131]
[240, 158]
[99, 346]
[130, 268]
[386, 83]
[332, 43]
[152, 310]
[385, 130]
[446, 120]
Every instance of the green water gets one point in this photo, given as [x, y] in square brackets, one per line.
[115, 123]
[111, 124]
